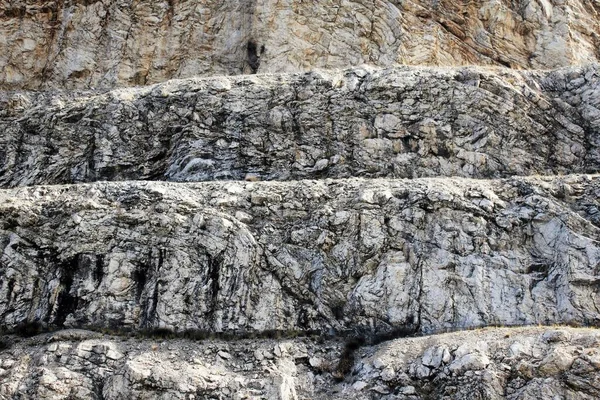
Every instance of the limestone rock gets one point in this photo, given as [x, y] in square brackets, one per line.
[397, 123]
[418, 255]
[124, 43]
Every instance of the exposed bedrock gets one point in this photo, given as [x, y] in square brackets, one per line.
[487, 364]
[398, 122]
[186, 212]
[332, 255]
[105, 44]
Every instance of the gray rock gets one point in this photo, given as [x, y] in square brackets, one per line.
[434, 356]
[399, 122]
[419, 255]
[298, 226]
[388, 374]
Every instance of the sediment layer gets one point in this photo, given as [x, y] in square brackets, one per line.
[501, 363]
[397, 123]
[373, 255]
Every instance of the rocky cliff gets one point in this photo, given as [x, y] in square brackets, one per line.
[82, 44]
[252, 230]
[396, 122]
[371, 255]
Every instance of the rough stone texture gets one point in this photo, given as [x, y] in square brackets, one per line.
[306, 289]
[81, 44]
[374, 255]
[398, 122]
[76, 44]
[515, 364]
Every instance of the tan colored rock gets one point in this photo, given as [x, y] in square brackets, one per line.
[126, 43]
[557, 361]
[100, 43]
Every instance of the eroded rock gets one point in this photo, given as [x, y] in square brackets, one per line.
[375, 255]
[120, 43]
[184, 369]
[398, 123]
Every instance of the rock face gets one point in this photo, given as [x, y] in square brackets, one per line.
[191, 208]
[124, 43]
[483, 364]
[379, 255]
[399, 122]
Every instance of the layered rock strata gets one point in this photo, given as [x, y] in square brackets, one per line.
[514, 364]
[74, 44]
[374, 255]
[289, 236]
[397, 122]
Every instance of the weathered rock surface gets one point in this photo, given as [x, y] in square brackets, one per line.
[517, 363]
[399, 122]
[76, 44]
[374, 255]
[267, 206]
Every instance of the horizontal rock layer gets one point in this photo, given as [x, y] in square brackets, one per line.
[484, 364]
[76, 44]
[332, 255]
[400, 122]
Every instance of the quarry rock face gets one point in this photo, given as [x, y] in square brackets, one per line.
[299, 200]
[396, 123]
[377, 255]
[517, 363]
[103, 44]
